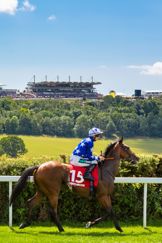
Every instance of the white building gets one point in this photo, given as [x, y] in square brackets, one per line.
[152, 93]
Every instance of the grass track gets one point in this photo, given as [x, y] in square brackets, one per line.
[50, 146]
[43, 145]
[77, 233]
[54, 146]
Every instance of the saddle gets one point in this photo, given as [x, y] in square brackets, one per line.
[76, 176]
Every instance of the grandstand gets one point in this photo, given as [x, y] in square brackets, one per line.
[51, 89]
[7, 92]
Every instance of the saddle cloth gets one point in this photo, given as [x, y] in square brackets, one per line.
[76, 176]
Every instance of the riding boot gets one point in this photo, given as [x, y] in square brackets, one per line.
[88, 175]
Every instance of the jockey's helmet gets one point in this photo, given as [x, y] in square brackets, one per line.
[95, 131]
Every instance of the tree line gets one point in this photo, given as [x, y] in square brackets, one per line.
[73, 118]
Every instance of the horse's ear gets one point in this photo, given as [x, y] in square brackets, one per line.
[115, 136]
[121, 140]
[63, 157]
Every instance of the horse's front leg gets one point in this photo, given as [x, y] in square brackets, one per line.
[105, 202]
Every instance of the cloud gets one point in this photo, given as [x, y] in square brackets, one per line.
[51, 17]
[11, 6]
[27, 6]
[154, 69]
[8, 6]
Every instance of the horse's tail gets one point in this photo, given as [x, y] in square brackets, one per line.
[22, 183]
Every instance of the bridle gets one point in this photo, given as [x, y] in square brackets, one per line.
[125, 149]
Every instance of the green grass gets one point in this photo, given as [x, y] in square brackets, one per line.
[146, 145]
[77, 233]
[50, 146]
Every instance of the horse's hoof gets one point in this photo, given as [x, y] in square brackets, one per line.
[61, 230]
[119, 229]
[88, 225]
[24, 225]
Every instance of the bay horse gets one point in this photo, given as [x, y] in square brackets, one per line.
[50, 176]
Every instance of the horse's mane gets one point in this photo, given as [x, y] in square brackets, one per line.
[109, 148]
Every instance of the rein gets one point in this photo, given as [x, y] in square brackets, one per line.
[109, 158]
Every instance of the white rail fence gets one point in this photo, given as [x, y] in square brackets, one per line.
[130, 180]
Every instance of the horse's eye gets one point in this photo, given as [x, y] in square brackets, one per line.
[126, 148]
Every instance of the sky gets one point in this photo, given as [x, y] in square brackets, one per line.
[118, 42]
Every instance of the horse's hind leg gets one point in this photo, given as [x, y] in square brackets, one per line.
[53, 212]
[31, 203]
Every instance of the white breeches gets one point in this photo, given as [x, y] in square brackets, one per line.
[79, 161]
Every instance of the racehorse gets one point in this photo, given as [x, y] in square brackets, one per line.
[50, 176]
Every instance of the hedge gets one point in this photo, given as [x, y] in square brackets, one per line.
[127, 198]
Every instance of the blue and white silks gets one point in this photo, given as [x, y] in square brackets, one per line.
[82, 154]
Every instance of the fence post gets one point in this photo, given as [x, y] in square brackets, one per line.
[145, 206]
[10, 207]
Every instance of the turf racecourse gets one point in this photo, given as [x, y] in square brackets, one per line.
[51, 146]
[102, 233]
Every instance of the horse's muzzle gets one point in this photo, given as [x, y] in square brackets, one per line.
[134, 159]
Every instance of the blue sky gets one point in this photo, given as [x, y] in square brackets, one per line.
[118, 42]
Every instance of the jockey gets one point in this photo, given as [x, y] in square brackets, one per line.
[82, 154]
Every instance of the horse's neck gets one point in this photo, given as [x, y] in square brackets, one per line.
[110, 166]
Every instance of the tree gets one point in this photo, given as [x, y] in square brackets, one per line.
[100, 120]
[82, 126]
[66, 126]
[144, 127]
[1, 125]
[36, 126]
[12, 146]
[7, 104]
[110, 129]
[25, 124]
[56, 128]
[12, 125]
[150, 106]
[47, 126]
[108, 100]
